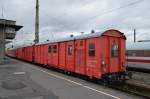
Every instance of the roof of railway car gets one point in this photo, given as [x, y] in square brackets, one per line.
[138, 46]
[55, 40]
[82, 36]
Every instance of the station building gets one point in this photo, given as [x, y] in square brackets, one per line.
[8, 29]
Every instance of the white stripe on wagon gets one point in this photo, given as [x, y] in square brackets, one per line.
[71, 81]
[139, 65]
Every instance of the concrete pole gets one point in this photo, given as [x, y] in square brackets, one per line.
[37, 22]
[134, 35]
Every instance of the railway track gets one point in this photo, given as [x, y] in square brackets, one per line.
[138, 70]
[133, 88]
[138, 85]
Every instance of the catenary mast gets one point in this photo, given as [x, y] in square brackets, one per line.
[37, 22]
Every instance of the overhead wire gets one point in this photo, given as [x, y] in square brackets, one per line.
[121, 7]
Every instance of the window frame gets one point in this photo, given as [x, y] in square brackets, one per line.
[70, 51]
[92, 50]
[50, 49]
[115, 50]
[54, 49]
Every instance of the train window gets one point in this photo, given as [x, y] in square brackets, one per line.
[54, 49]
[81, 43]
[114, 51]
[50, 49]
[91, 49]
[70, 50]
[133, 54]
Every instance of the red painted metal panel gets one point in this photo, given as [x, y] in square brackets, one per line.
[114, 61]
[45, 56]
[93, 59]
[23, 53]
[70, 59]
[42, 54]
[122, 63]
[55, 54]
[35, 54]
[31, 54]
[62, 55]
[104, 55]
[80, 58]
[49, 59]
[39, 53]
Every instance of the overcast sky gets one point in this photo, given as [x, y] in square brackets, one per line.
[59, 18]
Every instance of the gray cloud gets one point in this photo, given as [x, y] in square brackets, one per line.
[59, 18]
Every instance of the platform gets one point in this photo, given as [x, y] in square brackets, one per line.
[21, 80]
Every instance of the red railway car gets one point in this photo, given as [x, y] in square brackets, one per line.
[19, 54]
[99, 55]
[11, 52]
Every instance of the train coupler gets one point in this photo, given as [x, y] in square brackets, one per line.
[128, 75]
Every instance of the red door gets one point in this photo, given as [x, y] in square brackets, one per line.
[45, 54]
[39, 53]
[49, 59]
[55, 55]
[80, 56]
[93, 57]
[36, 54]
[62, 55]
[70, 62]
[114, 53]
[42, 55]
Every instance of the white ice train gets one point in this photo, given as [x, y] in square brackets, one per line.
[138, 55]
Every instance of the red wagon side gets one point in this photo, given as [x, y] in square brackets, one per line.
[99, 55]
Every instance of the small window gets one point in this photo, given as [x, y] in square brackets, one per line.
[70, 49]
[81, 43]
[92, 49]
[114, 51]
[50, 49]
[54, 49]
